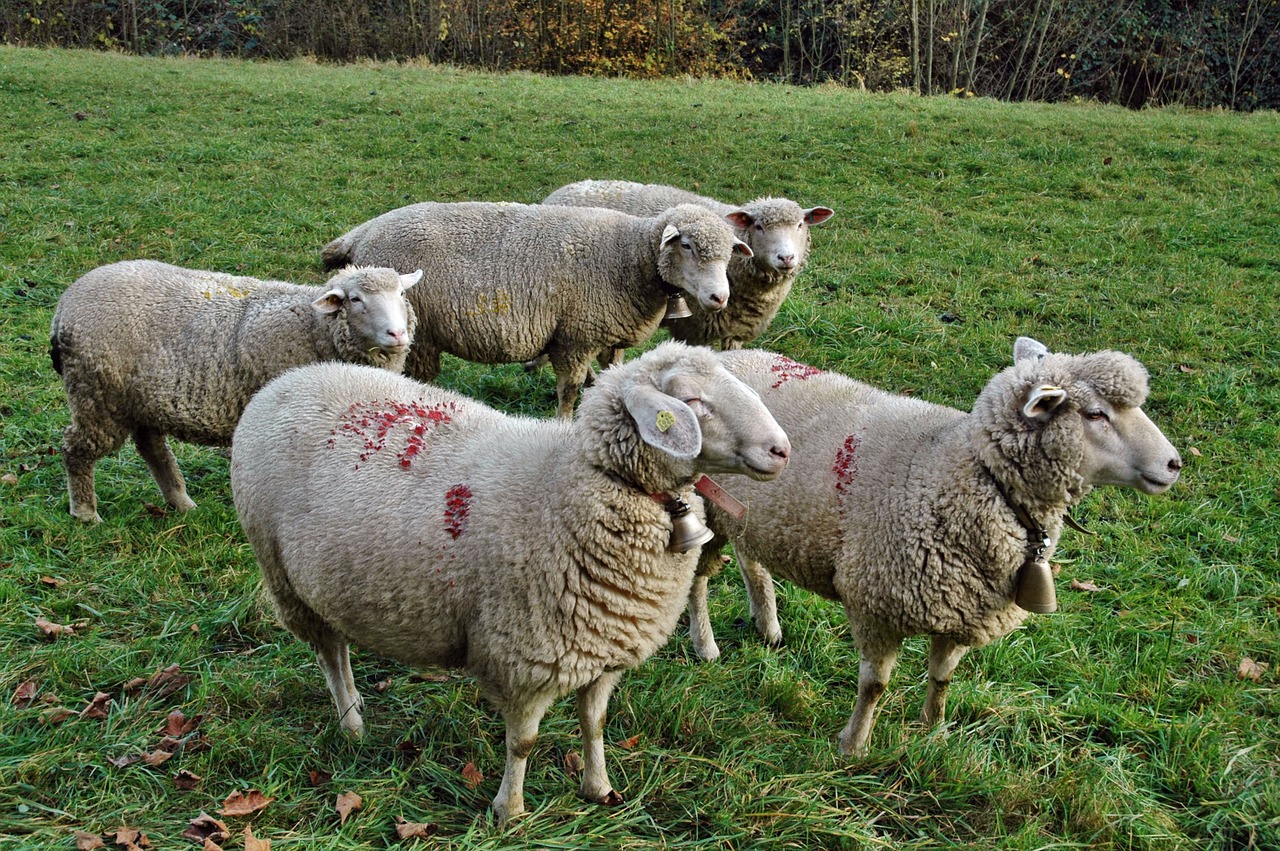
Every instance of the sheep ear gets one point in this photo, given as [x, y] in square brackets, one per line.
[740, 219]
[330, 302]
[740, 247]
[1025, 348]
[1042, 402]
[409, 280]
[664, 421]
[818, 215]
[669, 233]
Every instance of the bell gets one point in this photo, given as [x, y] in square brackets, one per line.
[1036, 591]
[677, 307]
[687, 531]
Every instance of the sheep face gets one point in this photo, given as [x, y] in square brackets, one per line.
[694, 252]
[777, 231]
[377, 312]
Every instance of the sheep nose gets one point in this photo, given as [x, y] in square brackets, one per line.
[1175, 464]
[787, 260]
[716, 298]
[782, 452]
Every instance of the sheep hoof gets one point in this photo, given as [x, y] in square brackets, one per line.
[87, 516]
[612, 799]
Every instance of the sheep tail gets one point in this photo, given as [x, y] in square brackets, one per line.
[337, 253]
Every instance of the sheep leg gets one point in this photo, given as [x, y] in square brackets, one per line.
[700, 632]
[81, 449]
[764, 600]
[571, 372]
[522, 720]
[593, 703]
[944, 655]
[873, 676]
[154, 449]
[334, 658]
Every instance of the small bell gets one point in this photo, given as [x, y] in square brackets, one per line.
[687, 531]
[677, 307]
[1036, 591]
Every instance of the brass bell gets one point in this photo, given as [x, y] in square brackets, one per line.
[677, 307]
[687, 531]
[1036, 591]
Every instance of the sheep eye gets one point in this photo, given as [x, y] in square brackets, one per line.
[684, 243]
[1095, 414]
[760, 228]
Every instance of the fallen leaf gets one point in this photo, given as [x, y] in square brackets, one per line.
[154, 510]
[186, 780]
[55, 714]
[131, 837]
[157, 758]
[572, 762]
[1251, 669]
[1230, 539]
[177, 725]
[415, 829]
[9, 479]
[210, 845]
[125, 760]
[134, 686]
[429, 678]
[1106, 160]
[25, 694]
[1194, 451]
[382, 685]
[168, 680]
[1077, 585]
[348, 802]
[1189, 370]
[628, 744]
[205, 826]
[88, 841]
[1192, 638]
[244, 803]
[318, 777]
[97, 708]
[54, 630]
[408, 749]
[253, 843]
[51, 582]
[472, 775]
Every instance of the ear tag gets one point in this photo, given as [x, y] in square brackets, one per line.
[666, 420]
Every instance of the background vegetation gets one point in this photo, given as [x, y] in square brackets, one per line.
[1134, 53]
[1143, 715]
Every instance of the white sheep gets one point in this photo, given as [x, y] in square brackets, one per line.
[532, 552]
[776, 229]
[148, 349]
[919, 518]
[510, 282]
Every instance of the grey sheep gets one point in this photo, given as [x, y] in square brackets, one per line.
[146, 349]
[776, 229]
[534, 553]
[919, 518]
[511, 282]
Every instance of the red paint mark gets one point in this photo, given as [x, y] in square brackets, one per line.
[457, 505]
[785, 368]
[371, 422]
[846, 466]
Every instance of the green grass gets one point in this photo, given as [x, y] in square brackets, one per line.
[1119, 722]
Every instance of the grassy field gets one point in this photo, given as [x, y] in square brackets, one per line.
[1126, 720]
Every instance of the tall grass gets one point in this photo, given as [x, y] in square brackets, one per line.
[1120, 722]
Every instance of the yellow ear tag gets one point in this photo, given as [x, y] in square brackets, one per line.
[666, 420]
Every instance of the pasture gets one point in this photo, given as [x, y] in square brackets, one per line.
[1144, 714]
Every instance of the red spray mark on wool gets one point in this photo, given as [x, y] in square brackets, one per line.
[846, 466]
[786, 369]
[457, 505]
[371, 423]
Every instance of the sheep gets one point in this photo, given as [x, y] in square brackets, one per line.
[534, 553]
[148, 349]
[776, 229]
[919, 518]
[509, 282]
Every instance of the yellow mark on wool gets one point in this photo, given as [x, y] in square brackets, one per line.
[497, 302]
[224, 290]
[666, 420]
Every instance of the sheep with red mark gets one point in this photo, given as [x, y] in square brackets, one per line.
[922, 519]
[146, 349]
[534, 553]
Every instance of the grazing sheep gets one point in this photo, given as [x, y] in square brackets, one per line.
[148, 349]
[918, 517]
[776, 229]
[510, 282]
[534, 553]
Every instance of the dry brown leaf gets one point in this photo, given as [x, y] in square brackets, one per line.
[205, 826]
[51, 582]
[1251, 669]
[88, 841]
[131, 837]
[9, 479]
[1194, 451]
[210, 845]
[125, 760]
[628, 744]
[177, 725]
[55, 714]
[348, 802]
[244, 803]
[253, 843]
[1077, 585]
[1189, 370]
[97, 708]
[382, 685]
[25, 694]
[472, 775]
[429, 678]
[415, 829]
[572, 762]
[168, 680]
[318, 777]
[134, 686]
[186, 780]
[54, 630]
[157, 758]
